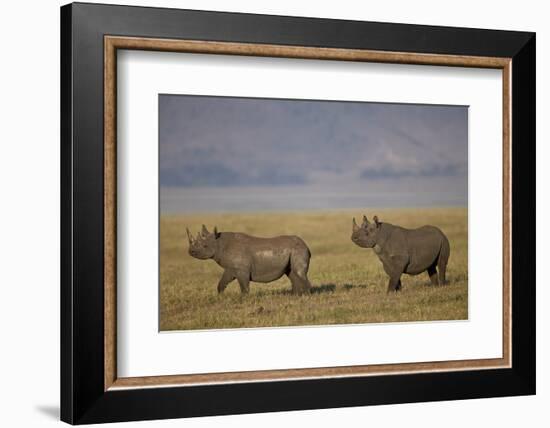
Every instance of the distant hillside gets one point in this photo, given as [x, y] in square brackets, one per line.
[217, 141]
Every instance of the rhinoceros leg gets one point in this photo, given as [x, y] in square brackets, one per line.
[244, 282]
[300, 284]
[226, 278]
[299, 265]
[442, 273]
[395, 269]
[443, 260]
[394, 284]
[432, 272]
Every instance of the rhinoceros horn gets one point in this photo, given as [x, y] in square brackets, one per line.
[204, 231]
[189, 235]
[355, 227]
[365, 221]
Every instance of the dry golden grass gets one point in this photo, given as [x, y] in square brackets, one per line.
[349, 282]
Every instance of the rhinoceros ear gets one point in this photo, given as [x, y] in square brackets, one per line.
[189, 235]
[204, 231]
[216, 233]
[365, 221]
[355, 227]
[375, 218]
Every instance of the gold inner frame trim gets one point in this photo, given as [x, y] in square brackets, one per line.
[113, 43]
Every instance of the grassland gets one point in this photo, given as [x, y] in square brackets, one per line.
[349, 284]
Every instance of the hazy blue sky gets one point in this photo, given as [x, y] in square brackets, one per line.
[228, 146]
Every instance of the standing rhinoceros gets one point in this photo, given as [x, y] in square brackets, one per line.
[249, 258]
[401, 250]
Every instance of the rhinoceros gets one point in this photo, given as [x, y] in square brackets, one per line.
[401, 250]
[249, 258]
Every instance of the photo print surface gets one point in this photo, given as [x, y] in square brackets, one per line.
[282, 212]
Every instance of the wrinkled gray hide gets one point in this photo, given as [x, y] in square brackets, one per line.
[401, 250]
[248, 258]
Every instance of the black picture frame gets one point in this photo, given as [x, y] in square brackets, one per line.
[83, 398]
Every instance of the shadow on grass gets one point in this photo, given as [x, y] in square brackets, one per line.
[315, 289]
[323, 288]
[349, 287]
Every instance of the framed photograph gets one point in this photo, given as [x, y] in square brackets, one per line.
[266, 213]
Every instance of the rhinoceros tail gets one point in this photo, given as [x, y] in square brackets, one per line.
[444, 254]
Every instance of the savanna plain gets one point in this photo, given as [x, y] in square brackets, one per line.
[349, 283]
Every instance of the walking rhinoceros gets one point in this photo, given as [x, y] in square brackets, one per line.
[401, 250]
[249, 258]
